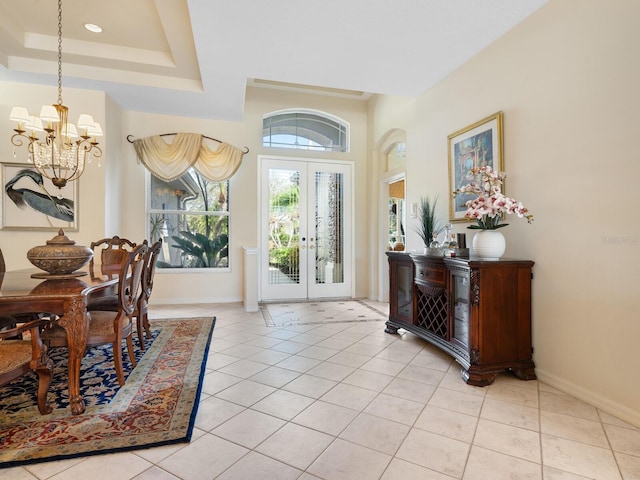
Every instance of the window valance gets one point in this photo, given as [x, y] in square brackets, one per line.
[169, 161]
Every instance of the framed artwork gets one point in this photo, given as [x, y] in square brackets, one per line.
[31, 201]
[477, 145]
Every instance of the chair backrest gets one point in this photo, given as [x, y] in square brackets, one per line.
[113, 253]
[151, 258]
[129, 285]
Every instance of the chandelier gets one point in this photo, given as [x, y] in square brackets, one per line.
[63, 152]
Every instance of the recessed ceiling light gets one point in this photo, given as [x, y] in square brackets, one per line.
[92, 27]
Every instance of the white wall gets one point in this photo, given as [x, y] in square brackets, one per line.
[115, 209]
[567, 81]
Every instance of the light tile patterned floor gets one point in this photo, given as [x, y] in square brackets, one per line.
[346, 401]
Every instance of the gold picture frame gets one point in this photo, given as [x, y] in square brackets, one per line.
[474, 146]
[32, 202]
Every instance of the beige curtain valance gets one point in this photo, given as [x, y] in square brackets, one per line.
[171, 160]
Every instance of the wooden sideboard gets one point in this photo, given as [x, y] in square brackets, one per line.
[477, 311]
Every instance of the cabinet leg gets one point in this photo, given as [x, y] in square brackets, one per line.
[478, 379]
[524, 373]
[391, 329]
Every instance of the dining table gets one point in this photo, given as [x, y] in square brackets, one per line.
[65, 299]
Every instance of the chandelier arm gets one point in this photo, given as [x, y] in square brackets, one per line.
[96, 150]
[43, 171]
[16, 140]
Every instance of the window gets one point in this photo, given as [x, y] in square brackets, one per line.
[191, 215]
[307, 130]
[396, 155]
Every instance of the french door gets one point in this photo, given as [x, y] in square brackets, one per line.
[306, 233]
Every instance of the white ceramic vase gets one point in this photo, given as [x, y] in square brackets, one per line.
[489, 244]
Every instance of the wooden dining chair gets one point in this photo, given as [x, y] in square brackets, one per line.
[19, 356]
[108, 326]
[141, 312]
[142, 309]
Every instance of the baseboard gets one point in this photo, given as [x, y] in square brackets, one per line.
[157, 300]
[306, 300]
[592, 398]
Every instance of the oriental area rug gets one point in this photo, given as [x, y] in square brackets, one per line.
[156, 406]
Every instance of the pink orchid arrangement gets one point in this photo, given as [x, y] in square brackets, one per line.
[489, 202]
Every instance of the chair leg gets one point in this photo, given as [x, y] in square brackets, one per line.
[45, 375]
[139, 330]
[132, 356]
[147, 325]
[117, 360]
[143, 327]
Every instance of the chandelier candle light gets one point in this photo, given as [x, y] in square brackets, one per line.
[486, 208]
[62, 155]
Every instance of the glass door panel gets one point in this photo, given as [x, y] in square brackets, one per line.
[284, 236]
[330, 249]
[405, 291]
[284, 227]
[329, 231]
[461, 310]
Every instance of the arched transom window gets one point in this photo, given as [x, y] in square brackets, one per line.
[396, 155]
[306, 130]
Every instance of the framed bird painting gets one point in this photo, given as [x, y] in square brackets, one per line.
[30, 201]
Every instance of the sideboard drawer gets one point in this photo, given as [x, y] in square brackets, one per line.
[430, 275]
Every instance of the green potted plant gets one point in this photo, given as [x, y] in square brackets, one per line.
[429, 225]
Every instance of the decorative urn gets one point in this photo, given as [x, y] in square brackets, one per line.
[60, 256]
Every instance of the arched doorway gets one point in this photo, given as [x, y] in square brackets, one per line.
[392, 209]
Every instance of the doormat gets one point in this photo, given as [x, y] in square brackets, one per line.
[320, 312]
[156, 406]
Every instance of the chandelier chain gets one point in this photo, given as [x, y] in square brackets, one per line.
[59, 52]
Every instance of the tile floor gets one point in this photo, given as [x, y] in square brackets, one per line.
[346, 401]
